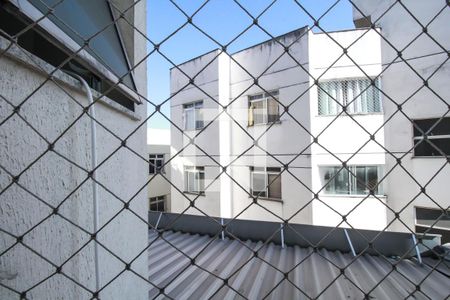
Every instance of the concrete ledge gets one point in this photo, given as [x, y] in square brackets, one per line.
[13, 51]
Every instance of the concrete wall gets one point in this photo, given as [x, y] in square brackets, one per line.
[54, 180]
[400, 81]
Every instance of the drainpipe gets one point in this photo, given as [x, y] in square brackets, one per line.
[94, 164]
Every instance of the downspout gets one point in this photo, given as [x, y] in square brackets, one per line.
[94, 164]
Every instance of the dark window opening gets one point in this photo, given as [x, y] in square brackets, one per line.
[433, 221]
[432, 137]
[157, 203]
[44, 46]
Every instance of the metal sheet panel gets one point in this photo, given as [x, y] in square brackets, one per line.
[292, 272]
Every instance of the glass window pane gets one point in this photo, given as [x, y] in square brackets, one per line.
[191, 182]
[430, 147]
[273, 110]
[198, 118]
[274, 186]
[201, 181]
[259, 111]
[441, 127]
[341, 181]
[372, 178]
[159, 164]
[259, 184]
[189, 119]
[152, 166]
[82, 20]
[328, 173]
[335, 181]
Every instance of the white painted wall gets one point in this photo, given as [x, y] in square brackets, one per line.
[400, 82]
[346, 137]
[50, 110]
[186, 153]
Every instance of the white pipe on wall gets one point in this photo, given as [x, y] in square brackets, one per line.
[94, 164]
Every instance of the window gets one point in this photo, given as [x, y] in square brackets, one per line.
[340, 181]
[265, 182]
[156, 162]
[263, 108]
[158, 203]
[357, 95]
[437, 142]
[101, 64]
[434, 221]
[194, 179]
[193, 115]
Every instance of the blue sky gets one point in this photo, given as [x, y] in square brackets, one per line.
[224, 20]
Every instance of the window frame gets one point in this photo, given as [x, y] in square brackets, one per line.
[194, 107]
[444, 232]
[429, 136]
[196, 170]
[266, 171]
[157, 157]
[62, 40]
[339, 108]
[352, 182]
[265, 98]
[156, 200]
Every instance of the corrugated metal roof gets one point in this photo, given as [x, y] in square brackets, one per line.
[316, 275]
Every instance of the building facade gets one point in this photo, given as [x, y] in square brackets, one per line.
[415, 78]
[266, 134]
[47, 198]
[158, 146]
[315, 134]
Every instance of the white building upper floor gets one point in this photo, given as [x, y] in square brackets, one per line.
[318, 131]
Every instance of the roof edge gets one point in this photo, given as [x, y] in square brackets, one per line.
[330, 238]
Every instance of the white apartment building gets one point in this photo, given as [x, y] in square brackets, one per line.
[425, 45]
[158, 146]
[283, 136]
[227, 111]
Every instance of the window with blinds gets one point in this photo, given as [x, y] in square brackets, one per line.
[358, 96]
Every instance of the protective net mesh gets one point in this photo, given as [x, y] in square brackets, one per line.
[53, 245]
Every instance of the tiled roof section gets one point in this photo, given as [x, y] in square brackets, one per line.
[282, 273]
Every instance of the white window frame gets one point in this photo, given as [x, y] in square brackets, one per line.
[156, 157]
[194, 107]
[346, 100]
[197, 170]
[262, 97]
[266, 171]
[351, 181]
[429, 137]
[157, 199]
[51, 28]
